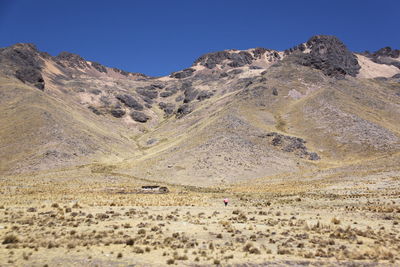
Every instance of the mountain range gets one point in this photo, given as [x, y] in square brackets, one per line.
[314, 110]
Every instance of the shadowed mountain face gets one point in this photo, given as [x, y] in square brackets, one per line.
[232, 116]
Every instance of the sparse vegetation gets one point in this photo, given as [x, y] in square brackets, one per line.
[310, 168]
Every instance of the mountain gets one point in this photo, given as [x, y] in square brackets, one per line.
[234, 115]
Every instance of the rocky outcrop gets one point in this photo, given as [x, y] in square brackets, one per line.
[384, 52]
[234, 59]
[183, 110]
[330, 55]
[125, 73]
[259, 52]
[99, 67]
[204, 95]
[291, 144]
[139, 116]
[30, 75]
[385, 55]
[167, 93]
[67, 59]
[129, 101]
[23, 61]
[211, 60]
[118, 113]
[168, 108]
[21, 55]
[148, 91]
[240, 59]
[182, 74]
[95, 110]
[190, 94]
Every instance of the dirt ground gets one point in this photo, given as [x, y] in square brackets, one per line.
[94, 223]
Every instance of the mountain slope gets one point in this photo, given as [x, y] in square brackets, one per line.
[232, 116]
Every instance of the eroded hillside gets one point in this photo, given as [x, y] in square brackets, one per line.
[232, 116]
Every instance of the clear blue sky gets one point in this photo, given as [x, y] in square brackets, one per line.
[159, 37]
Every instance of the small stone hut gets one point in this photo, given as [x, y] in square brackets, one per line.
[155, 189]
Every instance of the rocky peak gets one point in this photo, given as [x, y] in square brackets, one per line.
[21, 54]
[71, 60]
[236, 58]
[25, 46]
[329, 54]
[23, 61]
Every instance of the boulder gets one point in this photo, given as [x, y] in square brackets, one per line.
[95, 91]
[118, 113]
[183, 110]
[139, 116]
[313, 156]
[179, 98]
[167, 93]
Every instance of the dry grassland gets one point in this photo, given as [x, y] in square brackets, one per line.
[103, 221]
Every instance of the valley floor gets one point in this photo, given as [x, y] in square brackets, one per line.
[104, 222]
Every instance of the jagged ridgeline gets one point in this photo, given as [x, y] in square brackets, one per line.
[232, 115]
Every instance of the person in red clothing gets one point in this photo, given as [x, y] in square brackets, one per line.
[226, 200]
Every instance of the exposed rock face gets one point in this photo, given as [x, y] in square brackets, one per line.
[21, 55]
[330, 55]
[240, 59]
[24, 59]
[211, 60]
[31, 75]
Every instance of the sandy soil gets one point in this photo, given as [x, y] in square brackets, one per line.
[370, 69]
